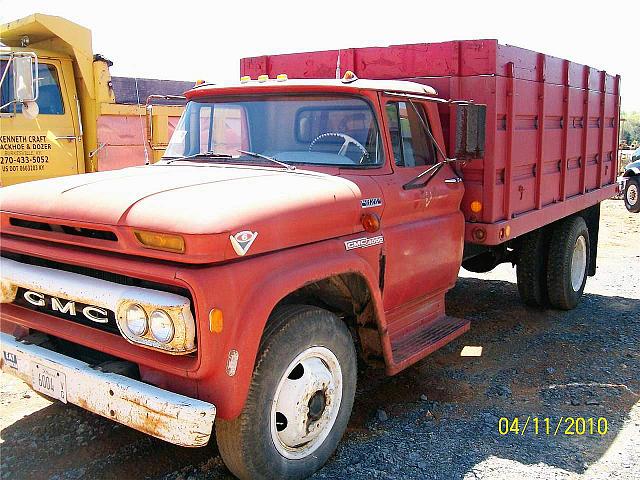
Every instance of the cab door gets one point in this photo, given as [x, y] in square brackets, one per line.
[422, 225]
[48, 145]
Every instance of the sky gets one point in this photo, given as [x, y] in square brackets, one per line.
[189, 40]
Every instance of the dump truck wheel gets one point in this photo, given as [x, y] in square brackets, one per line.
[299, 401]
[632, 195]
[531, 268]
[568, 263]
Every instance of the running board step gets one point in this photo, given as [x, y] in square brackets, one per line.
[427, 339]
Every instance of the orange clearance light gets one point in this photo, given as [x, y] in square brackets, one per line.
[245, 79]
[200, 82]
[349, 76]
[161, 241]
[370, 222]
[282, 77]
[476, 206]
[216, 321]
[263, 78]
[507, 231]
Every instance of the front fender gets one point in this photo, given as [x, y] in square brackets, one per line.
[247, 291]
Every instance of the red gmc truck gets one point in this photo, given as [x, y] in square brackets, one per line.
[299, 223]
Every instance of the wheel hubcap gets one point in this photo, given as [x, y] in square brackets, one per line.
[306, 403]
[578, 263]
[632, 194]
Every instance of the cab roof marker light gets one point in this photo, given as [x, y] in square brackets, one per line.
[282, 77]
[263, 78]
[199, 82]
[349, 77]
[245, 79]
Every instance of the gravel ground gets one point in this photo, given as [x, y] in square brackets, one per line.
[438, 419]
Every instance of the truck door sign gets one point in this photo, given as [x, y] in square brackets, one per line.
[242, 241]
[24, 153]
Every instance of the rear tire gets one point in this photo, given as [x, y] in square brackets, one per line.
[632, 195]
[531, 268]
[569, 252]
[299, 401]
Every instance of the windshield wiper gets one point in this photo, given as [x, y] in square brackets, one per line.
[266, 157]
[209, 154]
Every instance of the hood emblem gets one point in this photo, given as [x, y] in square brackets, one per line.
[242, 241]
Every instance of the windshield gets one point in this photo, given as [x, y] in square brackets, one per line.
[310, 129]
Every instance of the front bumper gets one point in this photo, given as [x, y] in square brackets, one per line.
[169, 416]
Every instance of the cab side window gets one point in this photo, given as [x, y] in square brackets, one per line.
[412, 146]
[49, 95]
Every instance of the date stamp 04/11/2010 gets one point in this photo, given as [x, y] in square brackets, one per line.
[532, 425]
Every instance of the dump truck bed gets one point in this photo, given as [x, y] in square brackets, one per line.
[123, 135]
[551, 132]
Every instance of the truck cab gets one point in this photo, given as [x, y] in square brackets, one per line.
[376, 139]
[278, 199]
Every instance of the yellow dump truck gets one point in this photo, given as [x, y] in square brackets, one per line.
[62, 113]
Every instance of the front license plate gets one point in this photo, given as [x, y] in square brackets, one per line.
[50, 382]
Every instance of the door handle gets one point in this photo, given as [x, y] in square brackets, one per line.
[66, 137]
[453, 180]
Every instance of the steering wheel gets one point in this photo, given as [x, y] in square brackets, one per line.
[347, 141]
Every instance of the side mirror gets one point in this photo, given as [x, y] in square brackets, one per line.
[470, 130]
[24, 86]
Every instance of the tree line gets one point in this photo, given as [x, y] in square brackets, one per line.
[630, 123]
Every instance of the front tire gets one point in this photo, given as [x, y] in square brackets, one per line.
[569, 252]
[632, 195]
[299, 401]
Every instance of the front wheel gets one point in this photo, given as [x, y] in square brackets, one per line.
[300, 398]
[632, 195]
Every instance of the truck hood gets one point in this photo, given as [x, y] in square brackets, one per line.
[212, 202]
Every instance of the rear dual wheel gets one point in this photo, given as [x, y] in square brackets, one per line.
[552, 265]
[531, 269]
[569, 252]
[299, 401]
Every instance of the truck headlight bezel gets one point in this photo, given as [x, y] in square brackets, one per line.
[182, 340]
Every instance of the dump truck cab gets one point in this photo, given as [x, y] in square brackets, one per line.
[75, 118]
[53, 146]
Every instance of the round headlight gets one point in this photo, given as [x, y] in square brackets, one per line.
[136, 319]
[161, 326]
